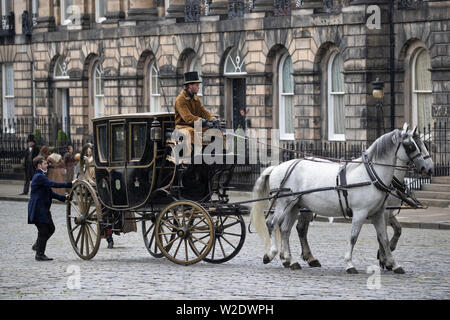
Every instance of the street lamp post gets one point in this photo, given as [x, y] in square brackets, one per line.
[378, 93]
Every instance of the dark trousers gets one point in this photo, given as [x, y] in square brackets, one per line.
[45, 231]
[28, 177]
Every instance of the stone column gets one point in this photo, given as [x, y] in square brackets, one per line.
[142, 10]
[46, 19]
[114, 13]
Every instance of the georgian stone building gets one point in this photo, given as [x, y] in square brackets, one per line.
[306, 67]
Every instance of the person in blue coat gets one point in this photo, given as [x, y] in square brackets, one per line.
[39, 205]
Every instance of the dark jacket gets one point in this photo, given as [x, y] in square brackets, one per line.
[41, 197]
[28, 163]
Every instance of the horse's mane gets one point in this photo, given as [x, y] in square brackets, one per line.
[382, 145]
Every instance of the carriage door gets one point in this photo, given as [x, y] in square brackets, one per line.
[117, 165]
[238, 102]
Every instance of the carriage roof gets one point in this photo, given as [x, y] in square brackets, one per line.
[142, 115]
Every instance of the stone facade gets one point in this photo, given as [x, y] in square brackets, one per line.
[135, 33]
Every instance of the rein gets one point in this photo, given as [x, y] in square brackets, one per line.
[310, 155]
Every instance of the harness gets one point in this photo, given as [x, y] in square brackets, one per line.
[341, 180]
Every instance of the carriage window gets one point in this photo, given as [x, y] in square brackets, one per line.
[102, 142]
[118, 143]
[138, 137]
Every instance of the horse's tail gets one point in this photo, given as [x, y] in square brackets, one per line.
[261, 190]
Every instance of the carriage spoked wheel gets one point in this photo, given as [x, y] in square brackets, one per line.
[229, 238]
[184, 232]
[148, 232]
[82, 216]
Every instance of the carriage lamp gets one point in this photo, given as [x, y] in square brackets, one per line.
[377, 91]
[155, 131]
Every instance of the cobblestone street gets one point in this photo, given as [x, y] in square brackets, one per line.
[129, 272]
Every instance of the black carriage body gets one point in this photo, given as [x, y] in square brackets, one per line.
[127, 161]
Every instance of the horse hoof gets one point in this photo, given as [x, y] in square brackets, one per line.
[389, 268]
[266, 259]
[382, 265]
[314, 264]
[296, 266]
[286, 264]
[352, 270]
[399, 270]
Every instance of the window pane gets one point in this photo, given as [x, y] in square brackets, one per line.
[339, 114]
[422, 72]
[138, 140]
[234, 62]
[288, 79]
[288, 114]
[118, 143]
[423, 110]
[9, 77]
[337, 74]
[67, 11]
[102, 143]
[100, 8]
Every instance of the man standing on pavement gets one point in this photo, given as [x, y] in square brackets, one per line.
[39, 206]
[30, 153]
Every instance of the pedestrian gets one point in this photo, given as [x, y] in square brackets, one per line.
[39, 206]
[69, 162]
[31, 152]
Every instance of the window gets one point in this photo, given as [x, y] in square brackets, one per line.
[118, 142]
[100, 10]
[7, 8]
[286, 98]
[35, 11]
[8, 96]
[196, 65]
[234, 64]
[99, 97]
[138, 139]
[336, 107]
[67, 11]
[102, 139]
[155, 103]
[421, 89]
[60, 71]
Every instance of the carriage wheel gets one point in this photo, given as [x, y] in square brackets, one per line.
[229, 238]
[148, 232]
[184, 232]
[83, 226]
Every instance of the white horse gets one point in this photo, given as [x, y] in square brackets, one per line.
[305, 218]
[366, 202]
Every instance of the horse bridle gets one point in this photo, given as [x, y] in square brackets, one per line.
[411, 149]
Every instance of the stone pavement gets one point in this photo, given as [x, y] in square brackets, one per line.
[129, 272]
[430, 218]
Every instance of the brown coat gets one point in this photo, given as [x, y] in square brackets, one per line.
[188, 110]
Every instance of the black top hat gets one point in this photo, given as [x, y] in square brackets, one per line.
[191, 77]
[31, 138]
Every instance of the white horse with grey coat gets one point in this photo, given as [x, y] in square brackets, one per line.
[305, 218]
[367, 202]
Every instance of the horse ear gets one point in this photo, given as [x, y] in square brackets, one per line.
[405, 129]
[414, 131]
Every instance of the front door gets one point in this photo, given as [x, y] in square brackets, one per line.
[238, 102]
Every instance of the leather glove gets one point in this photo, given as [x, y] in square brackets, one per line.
[204, 122]
[215, 123]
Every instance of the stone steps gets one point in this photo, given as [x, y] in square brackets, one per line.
[436, 187]
[435, 194]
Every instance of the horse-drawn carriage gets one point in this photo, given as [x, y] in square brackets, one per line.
[133, 177]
